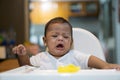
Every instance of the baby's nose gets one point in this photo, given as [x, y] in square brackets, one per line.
[60, 38]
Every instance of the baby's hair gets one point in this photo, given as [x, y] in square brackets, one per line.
[57, 20]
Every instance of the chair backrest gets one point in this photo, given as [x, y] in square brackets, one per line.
[84, 41]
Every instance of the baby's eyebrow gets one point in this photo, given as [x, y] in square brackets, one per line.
[67, 33]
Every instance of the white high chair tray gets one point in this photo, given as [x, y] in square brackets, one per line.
[32, 73]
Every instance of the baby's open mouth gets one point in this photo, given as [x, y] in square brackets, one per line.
[60, 46]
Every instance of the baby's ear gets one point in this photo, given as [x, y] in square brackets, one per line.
[44, 40]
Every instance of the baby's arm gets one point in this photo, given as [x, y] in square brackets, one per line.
[21, 53]
[95, 62]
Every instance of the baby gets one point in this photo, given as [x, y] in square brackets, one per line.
[58, 40]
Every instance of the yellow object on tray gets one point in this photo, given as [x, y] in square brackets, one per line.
[68, 69]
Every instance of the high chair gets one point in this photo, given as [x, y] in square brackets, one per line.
[84, 41]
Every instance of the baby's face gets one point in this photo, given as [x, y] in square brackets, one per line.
[58, 39]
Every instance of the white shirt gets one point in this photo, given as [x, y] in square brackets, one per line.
[46, 61]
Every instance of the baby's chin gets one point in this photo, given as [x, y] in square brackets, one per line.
[58, 54]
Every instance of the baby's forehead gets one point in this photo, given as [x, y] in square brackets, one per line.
[58, 26]
[57, 31]
[60, 32]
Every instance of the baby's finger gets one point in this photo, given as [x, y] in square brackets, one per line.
[14, 50]
[118, 68]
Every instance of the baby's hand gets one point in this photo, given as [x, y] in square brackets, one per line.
[20, 50]
[114, 66]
